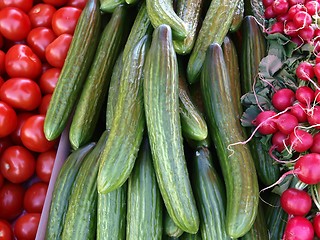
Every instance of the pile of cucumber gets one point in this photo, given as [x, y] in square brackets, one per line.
[150, 91]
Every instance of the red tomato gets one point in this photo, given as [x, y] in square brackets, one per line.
[1, 81]
[21, 61]
[2, 60]
[57, 51]
[34, 197]
[41, 15]
[65, 19]
[21, 93]
[56, 3]
[8, 119]
[77, 3]
[49, 79]
[1, 41]
[32, 135]
[6, 232]
[5, 142]
[38, 39]
[11, 200]
[15, 135]
[26, 226]
[44, 105]
[24, 5]
[17, 164]
[44, 165]
[14, 23]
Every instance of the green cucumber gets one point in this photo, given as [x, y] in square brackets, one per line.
[62, 190]
[81, 216]
[214, 28]
[188, 236]
[210, 195]
[170, 228]
[74, 71]
[120, 152]
[144, 211]
[94, 91]
[109, 6]
[237, 17]
[132, 1]
[236, 161]
[161, 101]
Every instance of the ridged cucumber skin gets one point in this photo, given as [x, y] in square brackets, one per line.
[210, 195]
[237, 17]
[239, 173]
[215, 27]
[252, 51]
[161, 101]
[188, 236]
[94, 91]
[81, 215]
[190, 12]
[111, 214]
[109, 6]
[162, 12]
[144, 211]
[193, 124]
[170, 228]
[62, 190]
[141, 26]
[119, 154]
[74, 71]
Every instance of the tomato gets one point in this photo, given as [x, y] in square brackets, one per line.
[65, 19]
[49, 79]
[8, 119]
[77, 3]
[41, 15]
[5, 142]
[1, 41]
[44, 165]
[38, 39]
[21, 61]
[11, 200]
[2, 65]
[26, 226]
[34, 197]
[24, 5]
[15, 135]
[56, 51]
[6, 232]
[44, 105]
[17, 164]
[32, 135]
[21, 93]
[56, 3]
[14, 23]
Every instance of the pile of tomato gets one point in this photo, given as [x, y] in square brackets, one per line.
[35, 37]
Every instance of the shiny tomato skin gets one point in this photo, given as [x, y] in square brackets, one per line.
[8, 119]
[17, 164]
[49, 79]
[24, 5]
[44, 105]
[44, 165]
[77, 3]
[26, 226]
[11, 200]
[38, 39]
[32, 134]
[65, 19]
[15, 136]
[34, 197]
[41, 15]
[2, 60]
[14, 23]
[6, 232]
[57, 50]
[21, 93]
[5, 142]
[56, 3]
[21, 61]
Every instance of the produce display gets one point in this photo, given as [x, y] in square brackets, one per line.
[152, 119]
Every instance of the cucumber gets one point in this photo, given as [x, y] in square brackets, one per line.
[74, 71]
[111, 214]
[119, 154]
[81, 216]
[94, 91]
[188, 236]
[144, 212]
[161, 101]
[210, 195]
[237, 166]
[62, 190]
[214, 28]
[193, 124]
[162, 12]
[170, 228]
[237, 17]
[132, 1]
[109, 6]
[190, 12]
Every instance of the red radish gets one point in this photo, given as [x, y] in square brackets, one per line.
[267, 3]
[316, 70]
[294, 9]
[290, 29]
[307, 168]
[312, 7]
[277, 27]
[295, 202]
[298, 110]
[315, 148]
[300, 140]
[302, 19]
[316, 224]
[305, 95]
[314, 117]
[286, 123]
[294, 2]
[280, 7]
[306, 33]
[298, 228]
[305, 71]
[283, 99]
[317, 95]
[282, 18]
[269, 13]
[265, 122]
[297, 40]
[279, 141]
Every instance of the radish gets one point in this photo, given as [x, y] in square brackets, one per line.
[286, 123]
[265, 122]
[267, 3]
[298, 228]
[306, 33]
[316, 70]
[302, 19]
[295, 202]
[315, 148]
[312, 7]
[300, 140]
[307, 168]
[282, 18]
[305, 95]
[280, 6]
[283, 99]
[290, 29]
[316, 224]
[305, 71]
[269, 13]
[277, 27]
[294, 9]
[314, 117]
[279, 141]
[298, 110]
[294, 2]
[317, 95]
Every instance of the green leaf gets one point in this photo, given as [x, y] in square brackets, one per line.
[269, 65]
